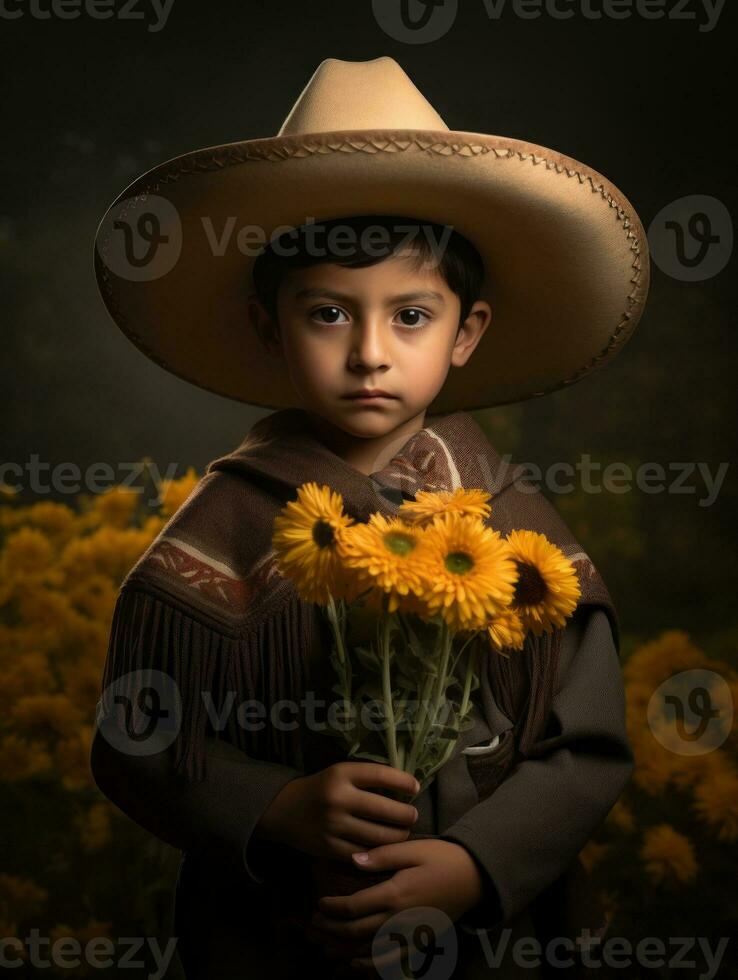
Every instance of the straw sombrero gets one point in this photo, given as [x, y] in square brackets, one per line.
[565, 255]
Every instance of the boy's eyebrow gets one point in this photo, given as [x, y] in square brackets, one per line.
[313, 292]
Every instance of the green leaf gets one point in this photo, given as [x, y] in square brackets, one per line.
[368, 657]
[372, 757]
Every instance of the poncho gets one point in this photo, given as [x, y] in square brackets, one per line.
[207, 607]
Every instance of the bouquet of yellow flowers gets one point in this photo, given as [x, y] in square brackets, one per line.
[405, 596]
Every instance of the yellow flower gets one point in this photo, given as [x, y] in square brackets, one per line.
[668, 855]
[621, 816]
[21, 896]
[506, 631]
[16, 641]
[305, 539]
[27, 552]
[429, 505]
[55, 519]
[84, 638]
[384, 555]
[72, 759]
[716, 802]
[656, 767]
[115, 507]
[82, 679]
[672, 651]
[547, 589]
[27, 674]
[592, 853]
[94, 826]
[95, 596]
[95, 929]
[609, 904]
[21, 759]
[46, 610]
[48, 714]
[108, 551]
[470, 575]
[174, 493]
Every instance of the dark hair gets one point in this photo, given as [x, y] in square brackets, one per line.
[460, 264]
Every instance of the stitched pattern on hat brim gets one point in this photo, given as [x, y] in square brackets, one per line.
[285, 148]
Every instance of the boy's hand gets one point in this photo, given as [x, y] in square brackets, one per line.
[436, 873]
[334, 813]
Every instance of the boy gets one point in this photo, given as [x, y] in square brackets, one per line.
[204, 605]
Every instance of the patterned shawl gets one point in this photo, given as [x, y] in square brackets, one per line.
[206, 604]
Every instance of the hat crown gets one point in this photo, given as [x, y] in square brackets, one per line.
[374, 94]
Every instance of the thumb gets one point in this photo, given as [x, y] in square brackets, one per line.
[383, 858]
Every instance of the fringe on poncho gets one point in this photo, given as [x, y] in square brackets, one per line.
[207, 609]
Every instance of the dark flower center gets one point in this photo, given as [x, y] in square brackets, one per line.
[398, 543]
[458, 562]
[323, 534]
[530, 588]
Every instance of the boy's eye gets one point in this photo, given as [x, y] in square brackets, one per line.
[331, 314]
[413, 312]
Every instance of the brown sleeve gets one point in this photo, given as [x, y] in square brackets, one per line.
[179, 780]
[216, 816]
[529, 830]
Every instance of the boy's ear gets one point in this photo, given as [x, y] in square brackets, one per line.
[265, 327]
[470, 332]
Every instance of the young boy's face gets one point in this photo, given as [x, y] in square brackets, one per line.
[387, 326]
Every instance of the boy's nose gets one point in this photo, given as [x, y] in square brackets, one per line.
[369, 346]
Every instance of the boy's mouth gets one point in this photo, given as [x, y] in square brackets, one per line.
[365, 394]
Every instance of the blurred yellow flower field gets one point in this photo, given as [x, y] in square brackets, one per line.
[60, 569]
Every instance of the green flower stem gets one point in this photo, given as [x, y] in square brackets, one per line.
[440, 684]
[468, 679]
[338, 624]
[473, 636]
[448, 751]
[419, 731]
[427, 717]
[391, 739]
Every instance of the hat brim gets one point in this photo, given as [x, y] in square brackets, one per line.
[565, 254]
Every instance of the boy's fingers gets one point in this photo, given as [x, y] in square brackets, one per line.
[386, 857]
[368, 774]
